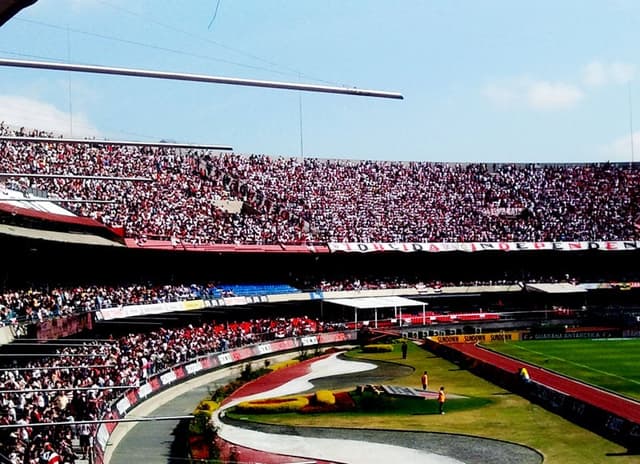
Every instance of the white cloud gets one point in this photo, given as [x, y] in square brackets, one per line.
[35, 114]
[539, 95]
[621, 73]
[553, 95]
[500, 94]
[620, 148]
[594, 74]
[598, 73]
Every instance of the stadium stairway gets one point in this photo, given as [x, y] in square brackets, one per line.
[78, 451]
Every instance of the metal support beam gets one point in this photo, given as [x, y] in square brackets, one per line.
[197, 78]
[54, 368]
[66, 389]
[74, 176]
[55, 200]
[101, 421]
[16, 138]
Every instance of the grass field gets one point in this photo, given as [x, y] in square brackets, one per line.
[493, 413]
[611, 364]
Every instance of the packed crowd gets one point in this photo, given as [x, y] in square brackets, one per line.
[35, 305]
[292, 200]
[78, 382]
[39, 304]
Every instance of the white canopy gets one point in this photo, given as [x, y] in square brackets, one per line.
[376, 302]
[562, 287]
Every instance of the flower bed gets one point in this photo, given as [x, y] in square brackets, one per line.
[273, 405]
[321, 401]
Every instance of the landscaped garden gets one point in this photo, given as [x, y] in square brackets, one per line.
[474, 407]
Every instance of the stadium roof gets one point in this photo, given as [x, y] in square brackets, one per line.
[9, 8]
[376, 302]
[556, 288]
[57, 236]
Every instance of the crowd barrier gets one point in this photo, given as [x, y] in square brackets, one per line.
[118, 409]
[60, 327]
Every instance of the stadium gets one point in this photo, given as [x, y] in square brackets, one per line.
[136, 274]
[438, 289]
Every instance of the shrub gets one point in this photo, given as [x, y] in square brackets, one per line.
[222, 392]
[206, 406]
[202, 416]
[199, 423]
[378, 348]
[273, 405]
[328, 401]
[325, 397]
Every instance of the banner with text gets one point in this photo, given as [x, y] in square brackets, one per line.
[437, 247]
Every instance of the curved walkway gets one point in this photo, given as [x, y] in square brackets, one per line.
[362, 446]
[152, 442]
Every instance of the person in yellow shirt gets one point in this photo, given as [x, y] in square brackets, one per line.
[524, 375]
[442, 397]
[425, 381]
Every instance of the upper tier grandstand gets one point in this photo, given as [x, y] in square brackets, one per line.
[318, 201]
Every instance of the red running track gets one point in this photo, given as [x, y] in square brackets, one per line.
[615, 404]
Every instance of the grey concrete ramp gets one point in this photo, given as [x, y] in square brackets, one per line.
[152, 442]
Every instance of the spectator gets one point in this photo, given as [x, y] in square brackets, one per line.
[424, 379]
[442, 397]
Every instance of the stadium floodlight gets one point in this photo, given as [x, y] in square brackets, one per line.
[197, 78]
[18, 138]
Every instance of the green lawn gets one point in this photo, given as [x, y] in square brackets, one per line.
[610, 364]
[488, 411]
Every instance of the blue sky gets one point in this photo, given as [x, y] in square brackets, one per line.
[483, 80]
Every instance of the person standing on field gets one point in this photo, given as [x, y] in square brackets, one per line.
[425, 381]
[404, 349]
[442, 397]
